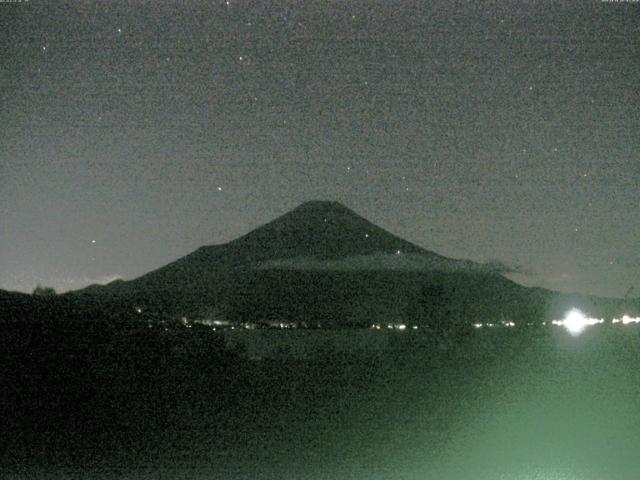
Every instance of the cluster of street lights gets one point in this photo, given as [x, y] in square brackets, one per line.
[574, 322]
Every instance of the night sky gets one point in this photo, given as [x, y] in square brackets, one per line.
[134, 132]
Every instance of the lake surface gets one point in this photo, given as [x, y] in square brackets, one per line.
[501, 404]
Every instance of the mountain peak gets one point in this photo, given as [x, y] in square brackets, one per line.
[324, 211]
[321, 210]
[320, 229]
[321, 205]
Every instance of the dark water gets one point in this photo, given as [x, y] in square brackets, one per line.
[503, 404]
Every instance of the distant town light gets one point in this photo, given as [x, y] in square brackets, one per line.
[575, 322]
[626, 319]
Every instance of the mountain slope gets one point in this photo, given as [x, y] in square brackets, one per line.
[315, 235]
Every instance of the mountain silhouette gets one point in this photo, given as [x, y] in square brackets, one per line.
[325, 263]
[316, 235]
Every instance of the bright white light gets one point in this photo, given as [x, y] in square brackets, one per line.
[402, 327]
[477, 325]
[575, 322]
[626, 319]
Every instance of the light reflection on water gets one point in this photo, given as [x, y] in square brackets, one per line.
[505, 404]
[497, 404]
[560, 412]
